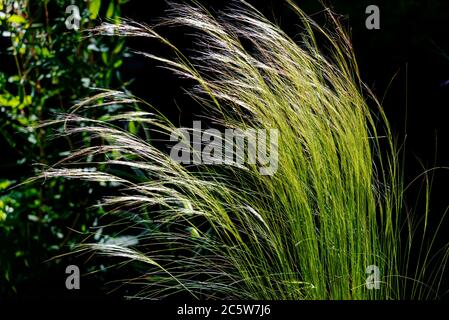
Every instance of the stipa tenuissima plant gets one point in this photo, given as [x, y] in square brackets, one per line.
[309, 231]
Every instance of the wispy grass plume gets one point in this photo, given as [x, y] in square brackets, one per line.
[311, 230]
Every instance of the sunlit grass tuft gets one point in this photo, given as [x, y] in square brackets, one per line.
[311, 230]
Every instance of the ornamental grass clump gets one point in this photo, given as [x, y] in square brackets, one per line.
[311, 229]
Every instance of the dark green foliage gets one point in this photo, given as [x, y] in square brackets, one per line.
[44, 68]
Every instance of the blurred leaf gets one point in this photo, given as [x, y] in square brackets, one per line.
[94, 8]
[7, 100]
[118, 63]
[16, 19]
[105, 57]
[132, 127]
[111, 9]
[119, 47]
[2, 215]
[4, 184]
[33, 218]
